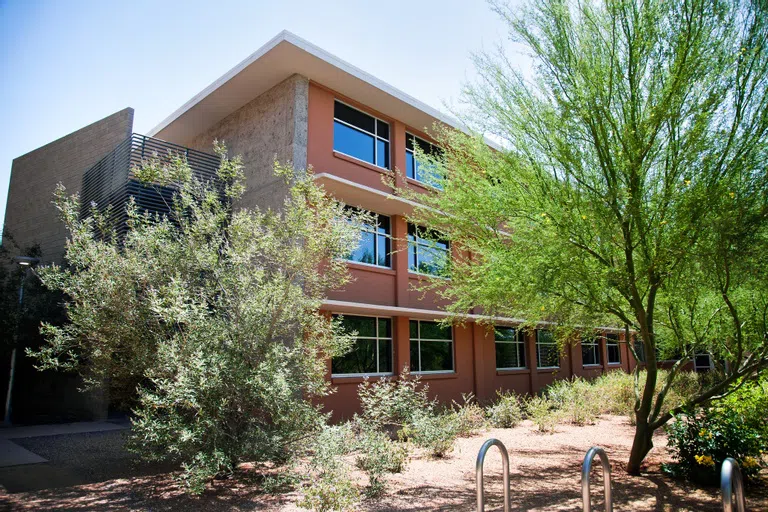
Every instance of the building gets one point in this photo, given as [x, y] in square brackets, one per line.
[293, 101]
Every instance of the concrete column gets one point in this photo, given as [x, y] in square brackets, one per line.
[400, 259]
[532, 362]
[402, 343]
[481, 356]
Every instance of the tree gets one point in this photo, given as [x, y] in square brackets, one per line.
[205, 319]
[629, 187]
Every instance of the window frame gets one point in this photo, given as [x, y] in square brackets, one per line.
[418, 244]
[375, 135]
[376, 236]
[377, 339]
[419, 339]
[596, 350]
[538, 350]
[433, 148]
[612, 339]
[518, 341]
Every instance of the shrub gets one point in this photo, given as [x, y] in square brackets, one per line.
[435, 432]
[330, 487]
[207, 316]
[394, 401]
[701, 440]
[578, 401]
[542, 411]
[468, 416]
[379, 455]
[506, 412]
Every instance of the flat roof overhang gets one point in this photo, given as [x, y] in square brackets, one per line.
[369, 198]
[359, 308]
[285, 55]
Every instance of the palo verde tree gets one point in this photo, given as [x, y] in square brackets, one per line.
[629, 187]
[207, 316]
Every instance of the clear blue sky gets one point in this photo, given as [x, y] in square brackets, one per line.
[66, 64]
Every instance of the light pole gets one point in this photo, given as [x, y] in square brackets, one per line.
[27, 263]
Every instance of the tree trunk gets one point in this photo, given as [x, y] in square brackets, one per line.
[641, 445]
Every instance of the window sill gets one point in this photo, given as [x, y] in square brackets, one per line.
[419, 275]
[363, 163]
[592, 366]
[371, 268]
[358, 379]
[615, 365]
[547, 369]
[512, 371]
[425, 186]
[435, 375]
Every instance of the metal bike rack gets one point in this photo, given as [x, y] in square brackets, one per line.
[732, 486]
[479, 473]
[586, 468]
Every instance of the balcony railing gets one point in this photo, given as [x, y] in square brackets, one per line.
[111, 181]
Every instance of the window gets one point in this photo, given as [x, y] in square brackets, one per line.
[431, 347]
[612, 346]
[547, 352]
[510, 348]
[359, 135]
[427, 253]
[372, 350]
[375, 242]
[702, 362]
[590, 352]
[420, 171]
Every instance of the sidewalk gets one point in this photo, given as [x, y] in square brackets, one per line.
[11, 454]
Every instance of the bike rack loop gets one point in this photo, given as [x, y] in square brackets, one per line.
[732, 485]
[479, 473]
[586, 468]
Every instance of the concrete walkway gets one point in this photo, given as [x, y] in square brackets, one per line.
[11, 454]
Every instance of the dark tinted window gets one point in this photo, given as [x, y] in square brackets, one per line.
[372, 350]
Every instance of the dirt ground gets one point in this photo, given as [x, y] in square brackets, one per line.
[91, 472]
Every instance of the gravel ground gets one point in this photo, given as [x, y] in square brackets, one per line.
[92, 472]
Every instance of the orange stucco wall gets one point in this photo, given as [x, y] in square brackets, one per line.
[474, 348]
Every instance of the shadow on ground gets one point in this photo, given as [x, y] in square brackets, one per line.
[76, 459]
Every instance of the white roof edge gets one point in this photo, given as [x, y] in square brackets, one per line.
[290, 37]
[282, 36]
[437, 313]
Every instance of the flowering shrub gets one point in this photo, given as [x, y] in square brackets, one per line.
[701, 440]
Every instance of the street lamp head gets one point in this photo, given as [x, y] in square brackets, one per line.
[26, 261]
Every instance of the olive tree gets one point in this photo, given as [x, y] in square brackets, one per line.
[207, 319]
[628, 186]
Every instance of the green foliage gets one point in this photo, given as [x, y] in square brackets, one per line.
[330, 487]
[506, 412]
[543, 412]
[378, 455]
[468, 416]
[436, 433]
[629, 185]
[578, 400]
[701, 440]
[394, 401]
[211, 312]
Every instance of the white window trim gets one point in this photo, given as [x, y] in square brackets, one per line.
[610, 341]
[518, 333]
[407, 133]
[375, 136]
[598, 354]
[419, 339]
[417, 244]
[376, 234]
[377, 338]
[538, 353]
